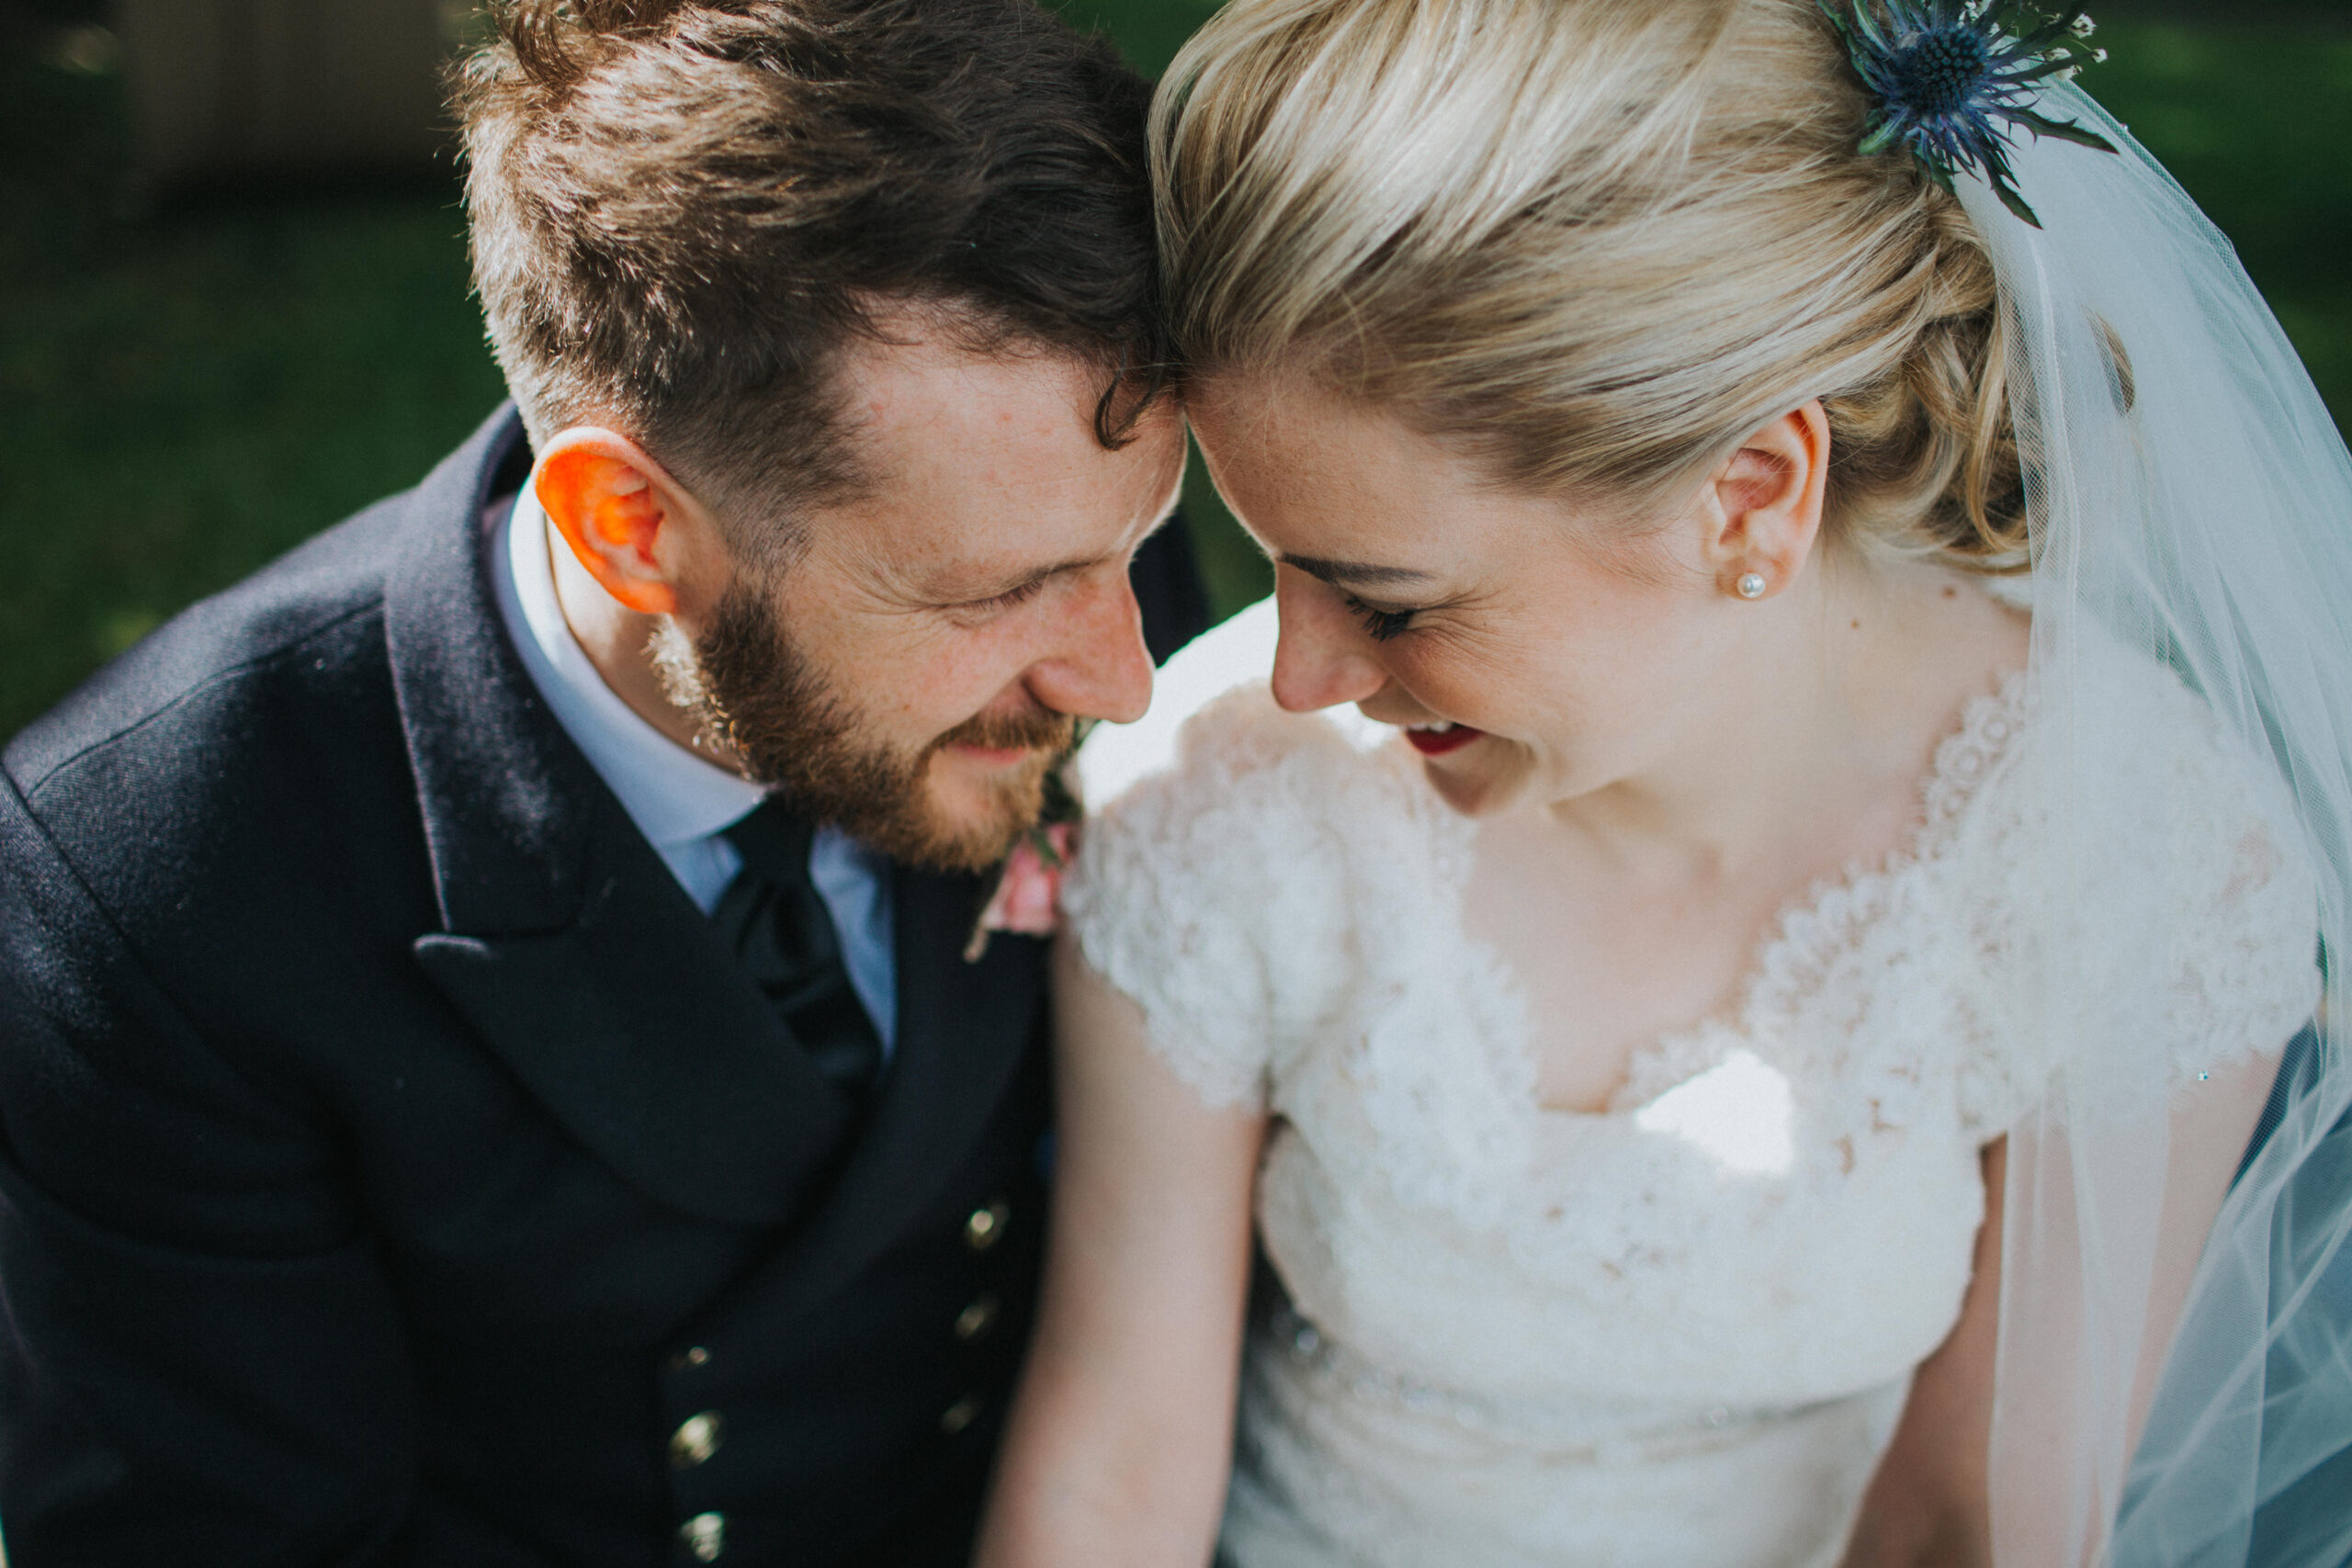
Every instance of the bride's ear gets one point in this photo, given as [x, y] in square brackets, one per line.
[1762, 509]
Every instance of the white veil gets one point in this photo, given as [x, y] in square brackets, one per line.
[2190, 497]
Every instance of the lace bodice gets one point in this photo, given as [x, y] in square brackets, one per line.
[1678, 1331]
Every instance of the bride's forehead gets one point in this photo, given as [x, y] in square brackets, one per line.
[1330, 480]
[1283, 442]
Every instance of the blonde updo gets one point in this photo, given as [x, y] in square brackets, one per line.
[1595, 243]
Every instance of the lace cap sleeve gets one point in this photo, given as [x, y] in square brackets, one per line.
[1191, 877]
[2193, 939]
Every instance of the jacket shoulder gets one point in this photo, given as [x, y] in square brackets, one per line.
[257, 736]
[234, 636]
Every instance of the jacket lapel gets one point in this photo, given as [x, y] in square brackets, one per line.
[964, 1029]
[639, 1033]
[568, 945]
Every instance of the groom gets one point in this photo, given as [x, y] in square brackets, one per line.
[488, 1069]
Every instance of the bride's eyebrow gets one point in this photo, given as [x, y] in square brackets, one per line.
[1358, 574]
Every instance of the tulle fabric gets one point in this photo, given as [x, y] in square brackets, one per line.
[2191, 497]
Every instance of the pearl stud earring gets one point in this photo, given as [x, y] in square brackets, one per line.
[1752, 586]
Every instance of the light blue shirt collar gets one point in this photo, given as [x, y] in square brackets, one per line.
[682, 802]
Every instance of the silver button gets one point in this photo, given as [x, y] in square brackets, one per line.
[986, 1227]
[695, 1440]
[977, 1318]
[959, 1416]
[688, 1358]
[705, 1536]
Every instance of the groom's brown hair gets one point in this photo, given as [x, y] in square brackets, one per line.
[681, 213]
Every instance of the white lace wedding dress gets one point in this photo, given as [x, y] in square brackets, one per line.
[1678, 1332]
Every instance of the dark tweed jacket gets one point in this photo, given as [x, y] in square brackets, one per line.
[395, 1169]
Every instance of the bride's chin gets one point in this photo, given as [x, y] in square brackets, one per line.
[1472, 790]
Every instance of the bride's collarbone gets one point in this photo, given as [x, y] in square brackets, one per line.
[1612, 960]
[1610, 963]
[1606, 975]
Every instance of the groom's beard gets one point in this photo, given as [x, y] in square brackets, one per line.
[758, 694]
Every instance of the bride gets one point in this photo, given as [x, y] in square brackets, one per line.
[1731, 945]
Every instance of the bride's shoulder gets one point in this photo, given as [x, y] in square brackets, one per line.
[2137, 739]
[2129, 856]
[2169, 832]
[2112, 763]
[1211, 885]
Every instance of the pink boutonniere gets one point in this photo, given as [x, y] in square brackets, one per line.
[1028, 896]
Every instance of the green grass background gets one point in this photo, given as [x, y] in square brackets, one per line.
[186, 392]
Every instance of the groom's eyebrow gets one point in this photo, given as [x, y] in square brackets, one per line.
[1360, 573]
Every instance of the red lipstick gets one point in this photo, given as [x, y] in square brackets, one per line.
[1438, 743]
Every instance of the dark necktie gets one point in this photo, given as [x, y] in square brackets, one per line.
[774, 918]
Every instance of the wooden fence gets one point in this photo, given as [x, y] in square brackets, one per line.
[240, 87]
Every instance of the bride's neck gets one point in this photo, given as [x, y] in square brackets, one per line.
[1819, 731]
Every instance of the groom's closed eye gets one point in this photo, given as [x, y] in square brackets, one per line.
[1019, 594]
[983, 597]
[987, 593]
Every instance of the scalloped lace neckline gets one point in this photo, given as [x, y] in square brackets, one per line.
[1785, 968]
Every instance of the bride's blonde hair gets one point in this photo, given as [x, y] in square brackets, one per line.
[1593, 243]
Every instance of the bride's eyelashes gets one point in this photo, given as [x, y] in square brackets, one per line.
[1382, 624]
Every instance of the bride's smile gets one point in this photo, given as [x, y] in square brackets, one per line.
[1538, 652]
[1439, 739]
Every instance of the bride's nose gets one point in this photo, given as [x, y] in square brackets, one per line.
[1322, 659]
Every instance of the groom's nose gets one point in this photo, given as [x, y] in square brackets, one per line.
[1098, 667]
[1320, 661]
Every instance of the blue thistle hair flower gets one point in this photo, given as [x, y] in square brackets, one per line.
[1952, 80]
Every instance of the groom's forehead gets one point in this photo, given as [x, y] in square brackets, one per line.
[955, 444]
[925, 376]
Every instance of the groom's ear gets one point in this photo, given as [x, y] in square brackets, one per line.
[631, 525]
[1767, 499]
